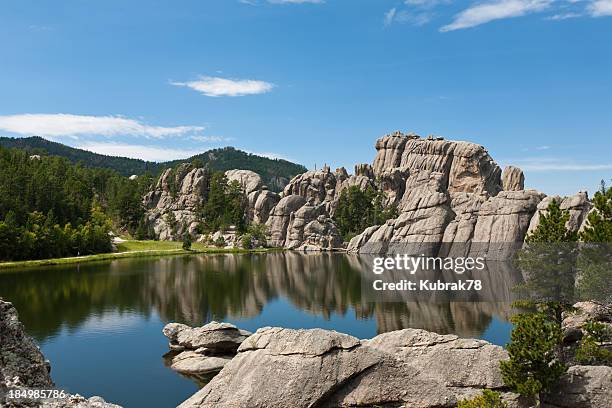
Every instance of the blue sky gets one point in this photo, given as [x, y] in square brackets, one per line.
[316, 81]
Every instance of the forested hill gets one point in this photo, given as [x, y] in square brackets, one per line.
[122, 165]
[273, 171]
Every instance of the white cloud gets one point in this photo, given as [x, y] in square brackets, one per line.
[210, 139]
[500, 9]
[405, 16]
[564, 16]
[389, 16]
[61, 124]
[149, 153]
[216, 86]
[600, 8]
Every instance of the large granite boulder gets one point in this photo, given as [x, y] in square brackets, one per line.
[23, 366]
[503, 221]
[260, 204]
[513, 179]
[177, 195]
[21, 361]
[280, 218]
[578, 207]
[424, 214]
[582, 387]
[199, 351]
[464, 166]
[249, 180]
[307, 368]
[215, 337]
[315, 186]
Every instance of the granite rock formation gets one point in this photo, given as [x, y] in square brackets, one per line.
[23, 366]
[200, 351]
[446, 192]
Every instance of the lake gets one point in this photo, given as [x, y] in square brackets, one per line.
[100, 323]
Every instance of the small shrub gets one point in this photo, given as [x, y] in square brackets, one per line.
[258, 232]
[219, 242]
[488, 399]
[590, 351]
[247, 241]
[187, 242]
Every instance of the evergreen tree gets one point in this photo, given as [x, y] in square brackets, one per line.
[532, 368]
[599, 221]
[358, 209]
[595, 260]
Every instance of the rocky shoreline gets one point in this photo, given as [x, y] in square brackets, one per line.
[403, 368]
[321, 368]
[23, 367]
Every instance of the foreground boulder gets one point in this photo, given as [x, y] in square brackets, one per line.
[199, 351]
[23, 366]
[306, 368]
[582, 387]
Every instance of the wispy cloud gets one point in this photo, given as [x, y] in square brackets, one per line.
[217, 86]
[496, 10]
[551, 164]
[210, 139]
[600, 8]
[414, 12]
[389, 16]
[144, 152]
[564, 16]
[62, 124]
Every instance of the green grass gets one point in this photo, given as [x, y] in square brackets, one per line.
[133, 249]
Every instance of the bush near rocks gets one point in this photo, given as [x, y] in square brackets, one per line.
[488, 399]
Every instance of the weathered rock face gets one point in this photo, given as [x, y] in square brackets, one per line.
[513, 179]
[577, 205]
[19, 356]
[23, 366]
[249, 180]
[315, 186]
[202, 350]
[465, 167]
[306, 368]
[215, 337]
[504, 219]
[582, 387]
[261, 203]
[179, 193]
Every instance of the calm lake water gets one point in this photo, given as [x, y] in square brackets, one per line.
[100, 324]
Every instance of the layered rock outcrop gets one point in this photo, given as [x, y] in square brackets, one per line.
[306, 368]
[447, 192]
[202, 350]
[407, 368]
[23, 366]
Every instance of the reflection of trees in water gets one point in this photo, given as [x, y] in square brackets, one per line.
[196, 289]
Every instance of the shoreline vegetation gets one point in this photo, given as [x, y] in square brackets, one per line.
[134, 249]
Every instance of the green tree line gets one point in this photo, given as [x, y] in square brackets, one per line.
[52, 208]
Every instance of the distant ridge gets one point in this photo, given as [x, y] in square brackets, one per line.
[275, 172]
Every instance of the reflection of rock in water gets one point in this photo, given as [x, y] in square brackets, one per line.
[197, 289]
[200, 288]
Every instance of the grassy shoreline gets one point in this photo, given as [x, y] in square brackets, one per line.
[133, 249]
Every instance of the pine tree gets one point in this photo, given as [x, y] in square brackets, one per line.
[552, 226]
[599, 221]
[532, 368]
